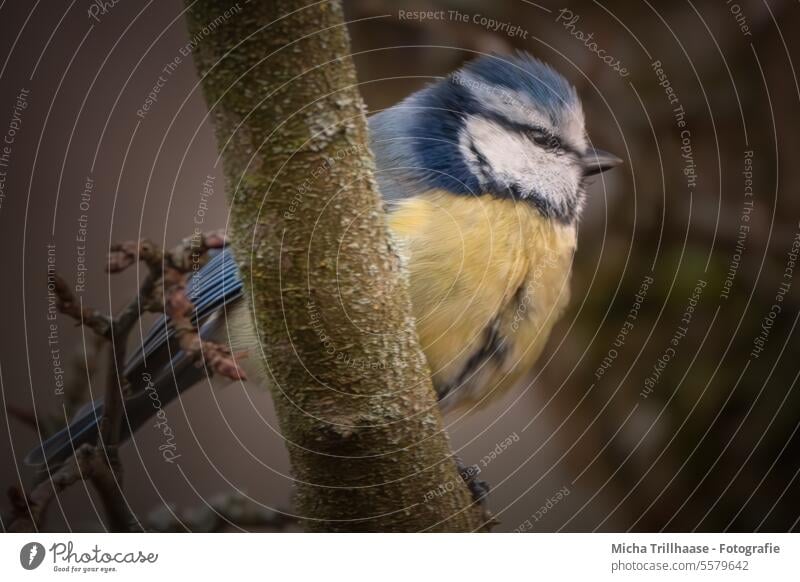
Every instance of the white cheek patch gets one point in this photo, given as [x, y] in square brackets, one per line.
[513, 160]
[573, 127]
[518, 107]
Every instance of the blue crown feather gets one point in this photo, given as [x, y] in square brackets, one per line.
[418, 142]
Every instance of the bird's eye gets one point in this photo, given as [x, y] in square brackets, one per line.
[540, 137]
[545, 139]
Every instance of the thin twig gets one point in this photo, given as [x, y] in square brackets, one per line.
[217, 357]
[87, 463]
[69, 305]
[225, 511]
[23, 415]
[100, 463]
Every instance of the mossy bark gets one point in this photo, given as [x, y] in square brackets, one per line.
[350, 384]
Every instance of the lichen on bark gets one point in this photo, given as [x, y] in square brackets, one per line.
[350, 383]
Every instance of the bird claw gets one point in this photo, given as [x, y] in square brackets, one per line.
[469, 473]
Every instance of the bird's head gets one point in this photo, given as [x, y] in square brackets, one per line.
[503, 126]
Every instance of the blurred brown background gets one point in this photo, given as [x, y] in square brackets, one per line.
[712, 446]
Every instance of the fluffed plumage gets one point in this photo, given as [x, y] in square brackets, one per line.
[482, 174]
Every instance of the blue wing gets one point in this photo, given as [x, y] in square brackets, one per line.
[211, 288]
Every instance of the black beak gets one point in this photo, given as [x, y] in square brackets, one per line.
[597, 161]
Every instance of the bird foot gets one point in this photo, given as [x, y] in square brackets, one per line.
[478, 488]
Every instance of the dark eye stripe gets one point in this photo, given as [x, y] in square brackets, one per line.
[539, 135]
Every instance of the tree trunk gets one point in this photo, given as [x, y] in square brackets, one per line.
[351, 386]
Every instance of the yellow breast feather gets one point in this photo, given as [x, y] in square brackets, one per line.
[489, 278]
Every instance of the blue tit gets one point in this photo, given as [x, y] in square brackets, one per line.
[483, 177]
